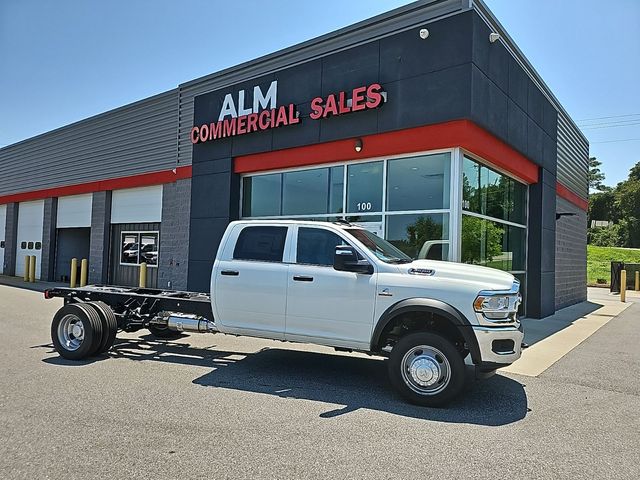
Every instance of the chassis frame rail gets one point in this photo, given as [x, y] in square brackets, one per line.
[137, 303]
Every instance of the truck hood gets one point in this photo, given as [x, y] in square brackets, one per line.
[488, 278]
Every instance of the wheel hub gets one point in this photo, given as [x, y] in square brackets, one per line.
[77, 330]
[425, 371]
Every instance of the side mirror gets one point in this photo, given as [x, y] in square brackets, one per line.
[346, 260]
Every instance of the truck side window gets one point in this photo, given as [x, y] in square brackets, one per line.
[317, 246]
[261, 243]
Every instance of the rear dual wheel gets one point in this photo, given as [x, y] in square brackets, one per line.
[80, 330]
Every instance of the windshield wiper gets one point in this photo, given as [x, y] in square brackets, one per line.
[397, 261]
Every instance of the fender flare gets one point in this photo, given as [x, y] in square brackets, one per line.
[429, 305]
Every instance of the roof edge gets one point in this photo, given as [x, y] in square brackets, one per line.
[487, 15]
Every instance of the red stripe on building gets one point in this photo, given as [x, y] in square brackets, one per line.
[572, 197]
[142, 180]
[459, 133]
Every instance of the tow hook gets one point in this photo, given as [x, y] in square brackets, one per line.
[524, 345]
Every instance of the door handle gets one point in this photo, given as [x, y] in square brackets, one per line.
[302, 278]
[232, 273]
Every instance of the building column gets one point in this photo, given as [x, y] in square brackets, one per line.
[100, 235]
[49, 239]
[215, 195]
[11, 237]
[173, 256]
[541, 246]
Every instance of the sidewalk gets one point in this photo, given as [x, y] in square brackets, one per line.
[38, 286]
[553, 337]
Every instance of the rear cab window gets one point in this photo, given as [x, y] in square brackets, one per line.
[261, 243]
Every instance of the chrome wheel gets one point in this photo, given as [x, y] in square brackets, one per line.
[71, 332]
[426, 370]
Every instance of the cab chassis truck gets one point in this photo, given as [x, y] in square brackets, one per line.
[332, 284]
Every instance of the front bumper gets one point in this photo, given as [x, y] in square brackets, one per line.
[499, 346]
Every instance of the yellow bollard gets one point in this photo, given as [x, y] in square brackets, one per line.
[32, 269]
[84, 267]
[623, 286]
[74, 273]
[143, 275]
[637, 281]
[27, 261]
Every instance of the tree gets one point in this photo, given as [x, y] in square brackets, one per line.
[596, 177]
[603, 206]
[481, 240]
[634, 173]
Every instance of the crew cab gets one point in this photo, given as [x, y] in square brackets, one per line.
[333, 284]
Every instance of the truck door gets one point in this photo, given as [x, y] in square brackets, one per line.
[324, 305]
[250, 284]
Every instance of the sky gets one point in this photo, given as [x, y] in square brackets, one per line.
[65, 60]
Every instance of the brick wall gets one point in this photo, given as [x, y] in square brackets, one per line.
[10, 237]
[571, 255]
[174, 235]
[48, 238]
[99, 242]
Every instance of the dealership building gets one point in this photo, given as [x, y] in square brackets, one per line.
[426, 125]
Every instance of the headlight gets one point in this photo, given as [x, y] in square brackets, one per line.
[498, 305]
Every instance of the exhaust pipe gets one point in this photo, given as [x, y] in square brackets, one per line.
[180, 323]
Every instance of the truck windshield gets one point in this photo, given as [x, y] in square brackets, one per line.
[379, 247]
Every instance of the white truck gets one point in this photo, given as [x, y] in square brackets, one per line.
[333, 284]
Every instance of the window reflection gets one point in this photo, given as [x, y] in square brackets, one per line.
[420, 236]
[492, 244]
[490, 193]
[305, 192]
[262, 195]
[419, 183]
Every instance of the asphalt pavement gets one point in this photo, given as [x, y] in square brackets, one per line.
[214, 407]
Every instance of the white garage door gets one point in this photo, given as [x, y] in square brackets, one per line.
[74, 211]
[30, 223]
[137, 205]
[3, 223]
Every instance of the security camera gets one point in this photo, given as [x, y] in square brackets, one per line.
[493, 37]
[424, 33]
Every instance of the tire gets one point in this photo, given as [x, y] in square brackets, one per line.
[164, 332]
[76, 331]
[109, 325]
[437, 377]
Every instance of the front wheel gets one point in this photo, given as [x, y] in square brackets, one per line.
[426, 369]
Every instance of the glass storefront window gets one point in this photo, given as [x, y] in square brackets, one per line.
[364, 187]
[421, 235]
[490, 193]
[419, 183]
[492, 244]
[305, 192]
[262, 195]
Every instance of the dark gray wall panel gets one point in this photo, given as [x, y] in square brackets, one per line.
[571, 255]
[406, 55]
[489, 106]
[134, 139]
[426, 99]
